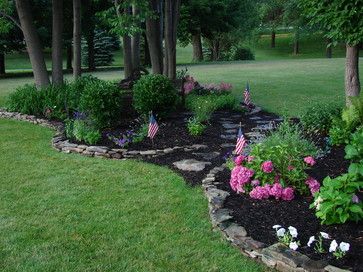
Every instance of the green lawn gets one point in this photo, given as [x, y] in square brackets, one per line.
[281, 86]
[62, 212]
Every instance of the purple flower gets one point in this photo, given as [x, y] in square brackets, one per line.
[355, 199]
[79, 115]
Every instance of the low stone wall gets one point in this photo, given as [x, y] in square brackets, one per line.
[276, 256]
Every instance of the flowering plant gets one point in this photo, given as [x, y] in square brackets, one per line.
[288, 238]
[339, 251]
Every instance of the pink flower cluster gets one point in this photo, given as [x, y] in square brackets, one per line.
[267, 167]
[189, 84]
[223, 86]
[309, 160]
[240, 176]
[313, 184]
[276, 191]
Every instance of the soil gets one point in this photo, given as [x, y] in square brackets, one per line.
[256, 216]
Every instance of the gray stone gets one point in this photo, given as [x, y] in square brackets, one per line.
[188, 149]
[219, 216]
[102, 155]
[132, 152]
[216, 193]
[234, 232]
[226, 145]
[148, 153]
[231, 131]
[88, 153]
[331, 268]
[230, 125]
[254, 111]
[98, 149]
[255, 118]
[254, 134]
[207, 156]
[229, 136]
[191, 165]
[168, 150]
[199, 146]
[269, 261]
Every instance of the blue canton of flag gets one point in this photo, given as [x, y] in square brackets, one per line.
[153, 127]
[241, 142]
[247, 95]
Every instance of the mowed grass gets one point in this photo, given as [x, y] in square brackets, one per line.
[62, 212]
[285, 87]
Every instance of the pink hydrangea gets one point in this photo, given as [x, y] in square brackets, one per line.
[255, 182]
[309, 160]
[240, 176]
[276, 190]
[188, 87]
[239, 159]
[290, 168]
[277, 179]
[287, 194]
[260, 192]
[313, 184]
[225, 86]
[250, 158]
[267, 167]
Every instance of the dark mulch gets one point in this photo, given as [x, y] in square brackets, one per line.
[258, 217]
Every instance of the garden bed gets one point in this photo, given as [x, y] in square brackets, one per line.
[258, 217]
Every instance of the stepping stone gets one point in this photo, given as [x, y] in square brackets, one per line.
[229, 136]
[263, 127]
[208, 156]
[230, 125]
[231, 131]
[254, 134]
[262, 122]
[254, 111]
[228, 145]
[255, 118]
[191, 165]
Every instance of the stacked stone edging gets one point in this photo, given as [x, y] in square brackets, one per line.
[276, 256]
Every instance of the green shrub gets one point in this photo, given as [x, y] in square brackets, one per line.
[26, 99]
[286, 149]
[195, 127]
[339, 132]
[240, 53]
[154, 93]
[318, 118]
[101, 101]
[82, 130]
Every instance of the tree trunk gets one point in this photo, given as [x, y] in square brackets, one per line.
[69, 57]
[135, 43]
[273, 39]
[296, 43]
[215, 49]
[77, 70]
[57, 42]
[352, 84]
[197, 47]
[329, 50]
[91, 50]
[33, 44]
[154, 42]
[2, 63]
[147, 61]
[171, 22]
[127, 52]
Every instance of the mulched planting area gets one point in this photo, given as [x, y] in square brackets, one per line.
[258, 217]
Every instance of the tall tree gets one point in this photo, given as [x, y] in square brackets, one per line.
[135, 41]
[153, 35]
[77, 56]
[33, 43]
[342, 22]
[57, 42]
[172, 11]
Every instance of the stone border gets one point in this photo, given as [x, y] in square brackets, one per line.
[62, 144]
[276, 256]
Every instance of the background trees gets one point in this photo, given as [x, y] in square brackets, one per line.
[341, 21]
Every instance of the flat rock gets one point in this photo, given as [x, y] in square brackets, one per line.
[199, 146]
[231, 131]
[226, 145]
[229, 136]
[98, 149]
[207, 156]
[219, 216]
[230, 125]
[255, 118]
[234, 232]
[191, 165]
[148, 153]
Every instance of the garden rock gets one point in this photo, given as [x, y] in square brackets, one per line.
[191, 165]
[230, 125]
[208, 156]
[228, 136]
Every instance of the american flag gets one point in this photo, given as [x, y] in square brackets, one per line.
[153, 127]
[241, 142]
[247, 95]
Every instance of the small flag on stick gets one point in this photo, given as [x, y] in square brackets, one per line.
[153, 127]
[241, 141]
[247, 95]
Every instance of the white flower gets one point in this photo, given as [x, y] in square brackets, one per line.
[293, 231]
[276, 227]
[281, 232]
[333, 246]
[311, 240]
[317, 202]
[293, 245]
[344, 246]
[324, 235]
